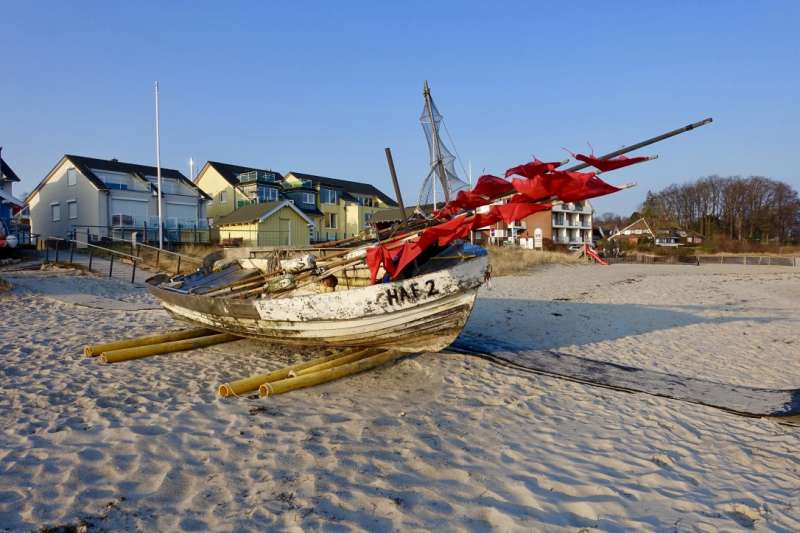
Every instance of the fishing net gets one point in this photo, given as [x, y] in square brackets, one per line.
[442, 182]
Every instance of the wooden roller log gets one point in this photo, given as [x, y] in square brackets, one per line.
[330, 374]
[137, 352]
[242, 386]
[97, 349]
[355, 356]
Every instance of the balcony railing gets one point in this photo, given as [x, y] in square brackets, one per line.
[255, 176]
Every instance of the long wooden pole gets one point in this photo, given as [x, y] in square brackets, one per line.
[96, 349]
[137, 352]
[647, 142]
[330, 374]
[396, 183]
[241, 386]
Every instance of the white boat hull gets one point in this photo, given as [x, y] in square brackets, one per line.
[424, 313]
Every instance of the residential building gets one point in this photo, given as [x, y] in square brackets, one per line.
[668, 237]
[95, 199]
[338, 208]
[14, 230]
[567, 223]
[234, 186]
[346, 207]
[9, 204]
[272, 223]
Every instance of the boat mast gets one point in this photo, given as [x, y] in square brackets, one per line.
[438, 164]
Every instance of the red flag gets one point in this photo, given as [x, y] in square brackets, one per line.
[555, 183]
[533, 169]
[516, 211]
[492, 186]
[590, 186]
[613, 163]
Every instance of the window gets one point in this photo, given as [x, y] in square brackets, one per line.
[328, 196]
[308, 198]
[267, 194]
[330, 220]
[366, 201]
[72, 209]
[55, 211]
[367, 218]
[72, 177]
[122, 220]
[223, 197]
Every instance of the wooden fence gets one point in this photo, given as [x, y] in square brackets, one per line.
[707, 260]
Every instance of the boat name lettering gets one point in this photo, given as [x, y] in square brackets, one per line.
[402, 294]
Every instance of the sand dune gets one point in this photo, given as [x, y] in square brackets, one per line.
[432, 442]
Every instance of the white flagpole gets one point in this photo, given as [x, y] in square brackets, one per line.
[158, 177]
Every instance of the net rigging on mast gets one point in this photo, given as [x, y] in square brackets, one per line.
[442, 181]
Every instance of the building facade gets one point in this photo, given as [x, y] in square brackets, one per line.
[338, 208]
[566, 223]
[92, 199]
[271, 223]
[346, 207]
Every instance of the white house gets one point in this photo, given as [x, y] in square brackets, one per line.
[101, 198]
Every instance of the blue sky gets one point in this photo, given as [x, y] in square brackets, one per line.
[324, 87]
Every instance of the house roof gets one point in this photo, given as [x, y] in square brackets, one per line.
[85, 164]
[352, 187]
[5, 171]
[7, 198]
[230, 172]
[255, 212]
[640, 224]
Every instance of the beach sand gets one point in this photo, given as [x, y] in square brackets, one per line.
[435, 441]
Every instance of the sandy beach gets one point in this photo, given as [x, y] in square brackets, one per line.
[434, 441]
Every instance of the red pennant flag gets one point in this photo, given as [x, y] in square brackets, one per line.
[533, 169]
[614, 163]
[515, 211]
[590, 187]
[492, 186]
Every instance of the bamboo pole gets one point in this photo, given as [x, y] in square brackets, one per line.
[330, 374]
[241, 386]
[346, 359]
[96, 349]
[137, 352]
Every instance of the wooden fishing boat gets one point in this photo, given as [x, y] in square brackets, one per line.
[425, 311]
[410, 287]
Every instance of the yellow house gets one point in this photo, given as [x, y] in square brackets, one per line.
[346, 207]
[278, 223]
[234, 186]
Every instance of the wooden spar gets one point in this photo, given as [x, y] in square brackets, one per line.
[330, 374]
[396, 184]
[647, 142]
[137, 352]
[97, 349]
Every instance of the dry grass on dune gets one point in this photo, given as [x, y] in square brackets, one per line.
[506, 261]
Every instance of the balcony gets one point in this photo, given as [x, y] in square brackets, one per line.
[258, 176]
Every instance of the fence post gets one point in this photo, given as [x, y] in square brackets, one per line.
[57, 251]
[111, 265]
[47, 250]
[178, 271]
[91, 254]
[133, 272]
[71, 251]
[158, 256]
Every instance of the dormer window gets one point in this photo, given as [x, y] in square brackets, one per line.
[328, 196]
[267, 194]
